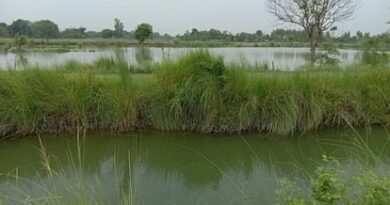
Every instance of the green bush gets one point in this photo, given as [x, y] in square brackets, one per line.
[328, 186]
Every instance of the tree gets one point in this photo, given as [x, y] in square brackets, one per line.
[143, 32]
[3, 30]
[44, 29]
[118, 28]
[107, 33]
[74, 32]
[314, 16]
[20, 27]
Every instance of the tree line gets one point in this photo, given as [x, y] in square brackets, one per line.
[49, 30]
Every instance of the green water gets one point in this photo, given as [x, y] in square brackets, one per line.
[171, 168]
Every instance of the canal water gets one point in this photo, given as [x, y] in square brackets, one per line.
[172, 168]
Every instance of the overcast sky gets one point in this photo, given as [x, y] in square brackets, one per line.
[177, 16]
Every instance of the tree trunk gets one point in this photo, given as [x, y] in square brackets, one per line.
[313, 57]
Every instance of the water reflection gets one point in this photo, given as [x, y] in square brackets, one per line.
[282, 58]
[143, 55]
[168, 168]
[20, 60]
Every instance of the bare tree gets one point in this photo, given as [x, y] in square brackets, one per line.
[314, 16]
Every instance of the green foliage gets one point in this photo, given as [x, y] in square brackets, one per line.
[329, 57]
[20, 41]
[115, 64]
[326, 187]
[197, 92]
[373, 188]
[20, 27]
[143, 32]
[118, 28]
[107, 33]
[290, 194]
[74, 33]
[44, 29]
[372, 54]
[3, 30]
[329, 186]
[192, 89]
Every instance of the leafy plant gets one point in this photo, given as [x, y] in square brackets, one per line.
[326, 187]
[375, 189]
[330, 55]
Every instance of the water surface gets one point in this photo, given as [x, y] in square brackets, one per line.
[278, 58]
[173, 168]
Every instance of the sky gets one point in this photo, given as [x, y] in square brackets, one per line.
[177, 16]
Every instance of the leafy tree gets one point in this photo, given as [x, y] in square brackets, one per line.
[314, 16]
[372, 54]
[118, 28]
[359, 35]
[107, 33]
[194, 31]
[92, 34]
[74, 32]
[143, 32]
[20, 27]
[3, 30]
[20, 41]
[44, 29]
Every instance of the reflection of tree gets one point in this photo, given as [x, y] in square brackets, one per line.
[143, 55]
[139, 168]
[19, 42]
[20, 59]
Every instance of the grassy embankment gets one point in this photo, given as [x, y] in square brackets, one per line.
[196, 93]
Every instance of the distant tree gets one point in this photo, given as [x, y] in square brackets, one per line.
[3, 30]
[143, 32]
[44, 29]
[74, 32]
[118, 28]
[107, 33]
[20, 27]
[359, 35]
[259, 35]
[314, 16]
[194, 31]
[92, 34]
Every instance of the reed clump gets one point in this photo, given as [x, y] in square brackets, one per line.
[195, 93]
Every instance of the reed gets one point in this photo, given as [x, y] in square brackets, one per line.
[195, 93]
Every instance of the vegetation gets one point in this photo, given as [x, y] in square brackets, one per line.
[143, 32]
[3, 30]
[46, 29]
[195, 93]
[20, 27]
[330, 186]
[107, 33]
[119, 29]
[74, 33]
[315, 17]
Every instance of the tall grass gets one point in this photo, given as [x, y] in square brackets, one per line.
[195, 93]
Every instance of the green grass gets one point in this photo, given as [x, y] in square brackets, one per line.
[195, 93]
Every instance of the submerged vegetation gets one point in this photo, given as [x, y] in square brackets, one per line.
[195, 93]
